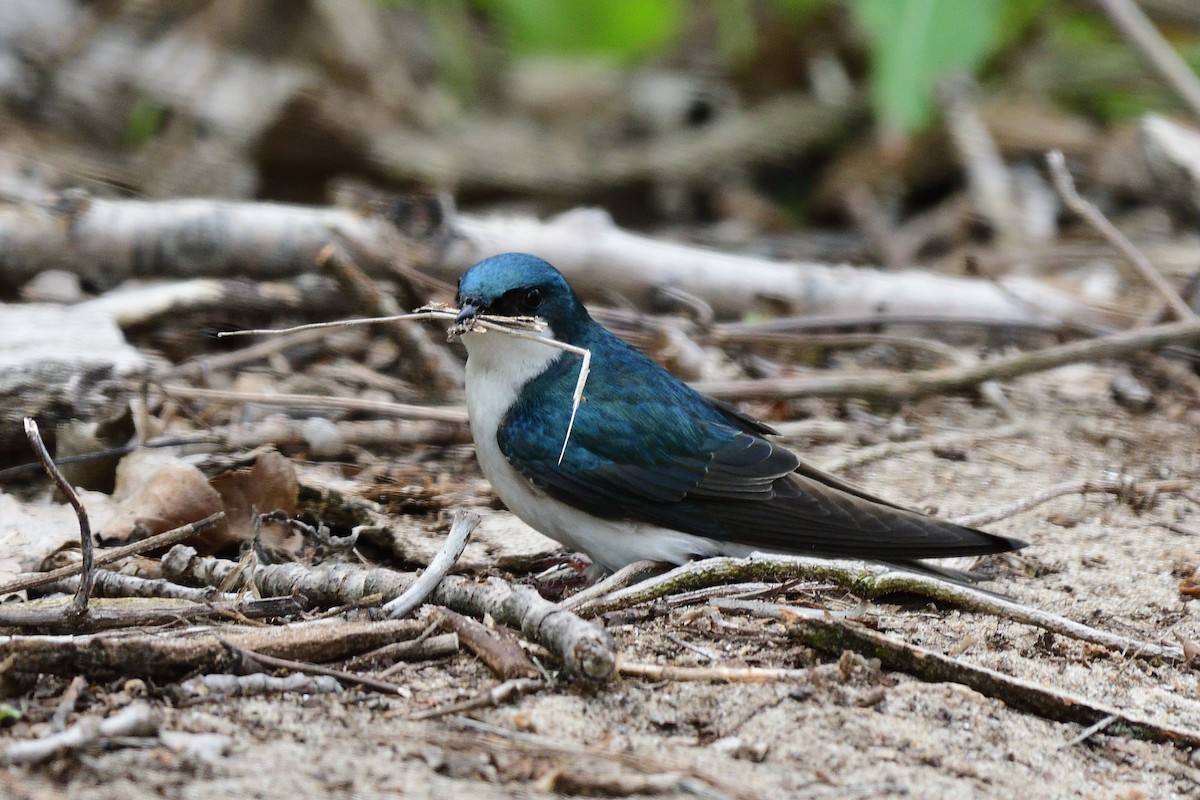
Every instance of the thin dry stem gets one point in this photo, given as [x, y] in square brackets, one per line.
[79, 605]
[173, 536]
[1064, 184]
[460, 530]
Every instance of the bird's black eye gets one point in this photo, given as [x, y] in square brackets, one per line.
[532, 299]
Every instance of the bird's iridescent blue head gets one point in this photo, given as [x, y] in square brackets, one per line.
[520, 285]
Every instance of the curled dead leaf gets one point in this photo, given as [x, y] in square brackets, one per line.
[270, 485]
[171, 495]
[1190, 587]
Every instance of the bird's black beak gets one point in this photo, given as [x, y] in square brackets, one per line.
[468, 312]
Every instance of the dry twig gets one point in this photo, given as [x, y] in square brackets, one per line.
[136, 719]
[1123, 488]
[912, 385]
[869, 581]
[1065, 186]
[502, 654]
[1139, 31]
[659, 672]
[497, 695]
[249, 659]
[164, 539]
[79, 604]
[834, 636]
[585, 649]
[219, 685]
[463, 522]
[399, 410]
[49, 619]
[170, 655]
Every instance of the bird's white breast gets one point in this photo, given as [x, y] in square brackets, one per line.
[498, 368]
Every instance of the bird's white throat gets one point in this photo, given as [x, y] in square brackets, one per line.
[498, 367]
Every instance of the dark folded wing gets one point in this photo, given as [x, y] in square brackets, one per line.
[707, 472]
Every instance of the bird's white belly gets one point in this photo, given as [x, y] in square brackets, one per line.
[498, 367]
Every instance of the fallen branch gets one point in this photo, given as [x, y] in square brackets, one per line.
[87, 566]
[834, 636]
[136, 719]
[869, 581]
[463, 522]
[116, 584]
[497, 695]
[659, 672]
[219, 686]
[249, 660]
[423, 648]
[168, 656]
[109, 241]
[164, 539]
[1123, 488]
[586, 650]
[865, 455]
[49, 618]
[444, 414]
[913, 385]
[502, 654]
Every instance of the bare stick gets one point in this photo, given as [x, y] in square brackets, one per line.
[498, 694]
[1065, 186]
[66, 703]
[219, 685]
[398, 410]
[909, 386]
[169, 655]
[833, 636]
[250, 656]
[866, 455]
[869, 581]
[463, 522]
[1139, 31]
[1117, 487]
[115, 584]
[48, 619]
[136, 719]
[173, 536]
[586, 649]
[630, 573]
[1091, 730]
[502, 655]
[87, 567]
[420, 649]
[659, 672]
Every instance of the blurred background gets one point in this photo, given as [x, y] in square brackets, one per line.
[840, 130]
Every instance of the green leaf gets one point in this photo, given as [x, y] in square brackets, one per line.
[144, 122]
[619, 29]
[916, 42]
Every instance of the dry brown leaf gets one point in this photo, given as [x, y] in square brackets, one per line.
[269, 485]
[170, 495]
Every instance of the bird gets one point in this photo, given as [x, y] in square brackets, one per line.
[646, 467]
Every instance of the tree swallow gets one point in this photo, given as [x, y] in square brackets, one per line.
[652, 469]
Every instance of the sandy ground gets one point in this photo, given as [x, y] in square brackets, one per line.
[846, 730]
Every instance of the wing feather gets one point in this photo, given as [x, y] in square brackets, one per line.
[710, 472]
